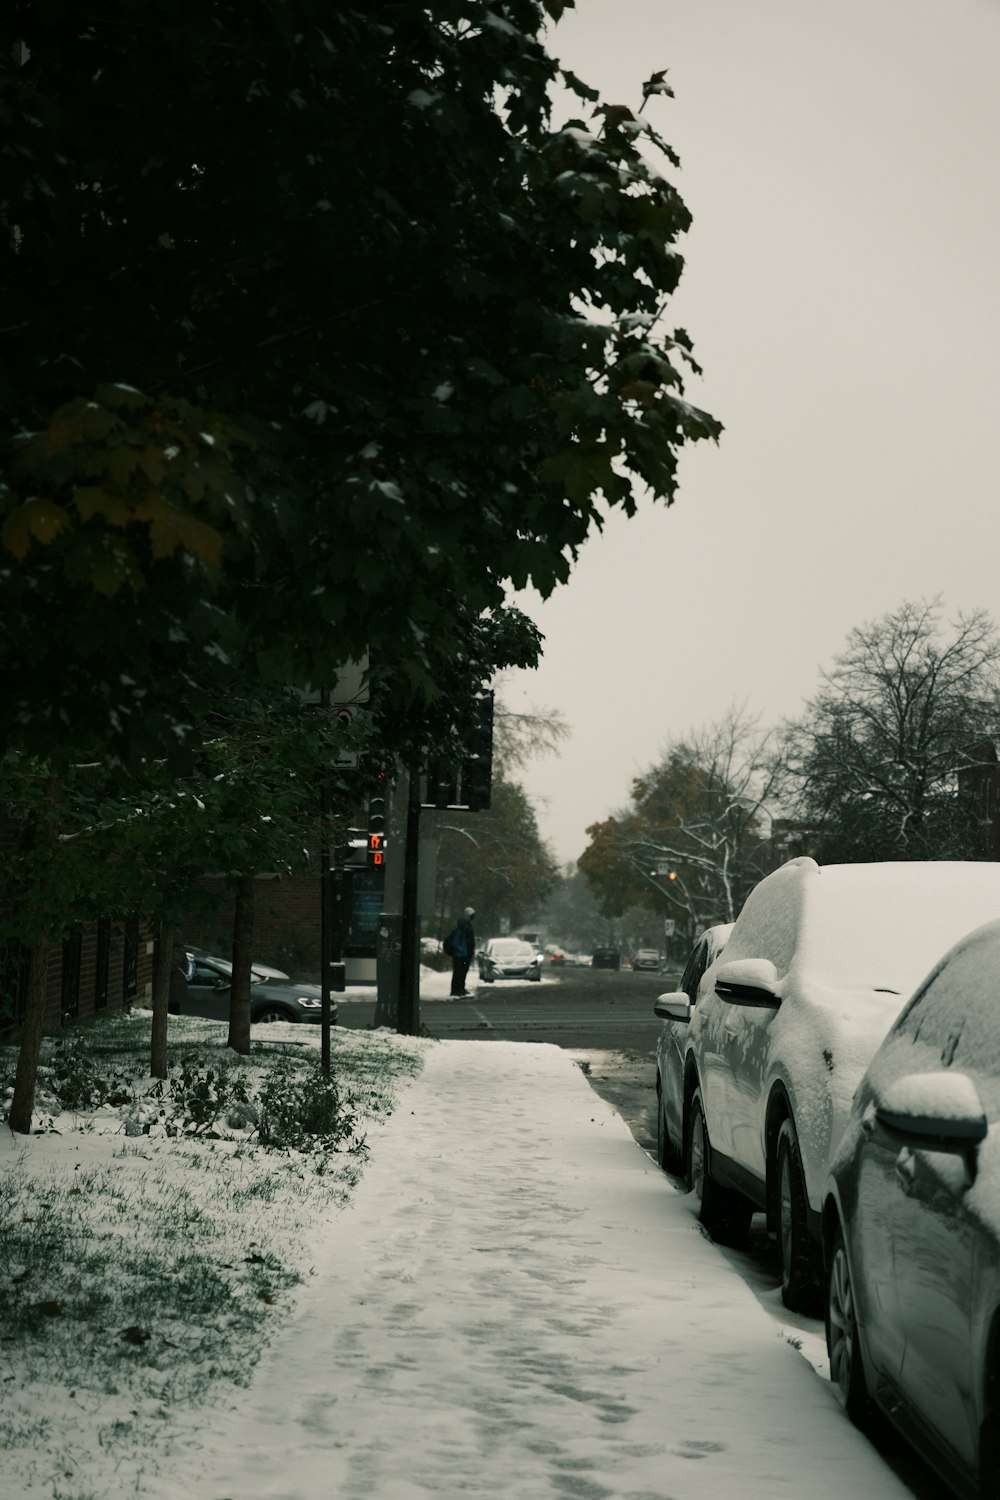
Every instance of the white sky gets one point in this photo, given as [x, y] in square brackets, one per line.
[843, 293]
[514, 1302]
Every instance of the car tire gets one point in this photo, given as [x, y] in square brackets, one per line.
[801, 1261]
[843, 1344]
[535, 978]
[667, 1154]
[724, 1213]
[269, 1013]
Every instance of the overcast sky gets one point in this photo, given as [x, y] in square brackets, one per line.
[841, 159]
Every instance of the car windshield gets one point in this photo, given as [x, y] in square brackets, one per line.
[510, 948]
[222, 966]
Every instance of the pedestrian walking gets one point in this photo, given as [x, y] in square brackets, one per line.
[460, 945]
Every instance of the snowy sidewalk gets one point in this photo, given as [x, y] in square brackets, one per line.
[518, 1304]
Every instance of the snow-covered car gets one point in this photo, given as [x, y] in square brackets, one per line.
[508, 958]
[911, 1225]
[646, 958]
[209, 984]
[814, 973]
[671, 1044]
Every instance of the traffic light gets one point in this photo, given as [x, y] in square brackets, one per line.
[477, 768]
[376, 825]
[376, 814]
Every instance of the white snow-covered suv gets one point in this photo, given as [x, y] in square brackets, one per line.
[818, 965]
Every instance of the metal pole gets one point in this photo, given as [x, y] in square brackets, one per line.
[325, 902]
[409, 979]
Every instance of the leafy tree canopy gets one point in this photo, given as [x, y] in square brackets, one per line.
[319, 336]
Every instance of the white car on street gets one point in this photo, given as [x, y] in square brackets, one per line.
[818, 965]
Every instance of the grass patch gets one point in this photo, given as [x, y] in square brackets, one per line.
[152, 1233]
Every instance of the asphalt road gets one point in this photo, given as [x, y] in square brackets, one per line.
[574, 1008]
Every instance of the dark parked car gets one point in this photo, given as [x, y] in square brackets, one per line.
[911, 1225]
[260, 971]
[210, 981]
[606, 958]
[508, 958]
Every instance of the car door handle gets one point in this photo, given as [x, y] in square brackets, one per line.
[906, 1170]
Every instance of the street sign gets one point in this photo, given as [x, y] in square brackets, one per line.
[669, 926]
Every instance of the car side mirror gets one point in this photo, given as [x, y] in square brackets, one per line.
[937, 1111]
[674, 1006]
[748, 981]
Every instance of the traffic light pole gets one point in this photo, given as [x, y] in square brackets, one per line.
[409, 956]
[325, 904]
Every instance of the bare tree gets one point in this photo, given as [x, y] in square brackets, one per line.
[904, 707]
[520, 737]
[695, 834]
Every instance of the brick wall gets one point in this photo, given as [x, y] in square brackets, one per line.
[104, 967]
[287, 923]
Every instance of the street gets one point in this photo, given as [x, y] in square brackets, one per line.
[573, 1008]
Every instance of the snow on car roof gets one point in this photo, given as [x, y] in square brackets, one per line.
[885, 925]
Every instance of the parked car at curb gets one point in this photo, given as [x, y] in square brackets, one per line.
[911, 1226]
[607, 957]
[209, 986]
[646, 958]
[670, 1046]
[508, 958]
[815, 971]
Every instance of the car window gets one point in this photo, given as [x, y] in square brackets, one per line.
[768, 925]
[694, 968]
[203, 974]
[957, 1013]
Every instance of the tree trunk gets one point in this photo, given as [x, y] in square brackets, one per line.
[32, 1030]
[239, 995]
[161, 996]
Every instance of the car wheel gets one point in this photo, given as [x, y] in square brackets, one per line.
[801, 1264]
[842, 1342]
[268, 1013]
[667, 1153]
[725, 1214]
[535, 978]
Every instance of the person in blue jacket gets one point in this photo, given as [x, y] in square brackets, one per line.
[461, 945]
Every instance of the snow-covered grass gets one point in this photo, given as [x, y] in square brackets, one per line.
[151, 1233]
